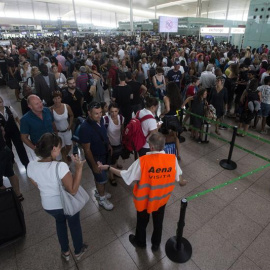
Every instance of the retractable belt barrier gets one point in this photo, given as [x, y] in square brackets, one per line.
[178, 249]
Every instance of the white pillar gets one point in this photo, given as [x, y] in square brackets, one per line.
[228, 8]
[74, 10]
[131, 15]
[199, 8]
[48, 10]
[33, 9]
[156, 9]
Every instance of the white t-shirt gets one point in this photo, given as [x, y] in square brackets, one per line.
[44, 174]
[133, 173]
[265, 90]
[145, 68]
[147, 125]
[121, 54]
[114, 131]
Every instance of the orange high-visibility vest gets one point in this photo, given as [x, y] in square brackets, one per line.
[157, 182]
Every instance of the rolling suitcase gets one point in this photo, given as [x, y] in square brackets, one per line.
[12, 224]
[206, 132]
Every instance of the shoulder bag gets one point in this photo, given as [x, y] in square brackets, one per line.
[72, 204]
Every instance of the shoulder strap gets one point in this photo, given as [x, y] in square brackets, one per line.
[106, 119]
[57, 174]
[121, 119]
[148, 116]
[10, 114]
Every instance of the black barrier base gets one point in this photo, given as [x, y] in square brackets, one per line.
[228, 164]
[181, 139]
[179, 256]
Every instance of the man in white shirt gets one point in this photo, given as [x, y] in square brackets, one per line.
[208, 79]
[146, 68]
[121, 53]
[150, 125]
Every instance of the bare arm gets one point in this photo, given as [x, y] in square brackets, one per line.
[72, 183]
[33, 182]
[186, 101]
[26, 140]
[143, 90]
[71, 116]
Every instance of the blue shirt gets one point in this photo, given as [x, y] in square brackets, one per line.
[31, 124]
[88, 134]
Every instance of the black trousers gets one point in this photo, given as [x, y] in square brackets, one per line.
[13, 136]
[142, 222]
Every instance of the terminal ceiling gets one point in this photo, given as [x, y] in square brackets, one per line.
[109, 12]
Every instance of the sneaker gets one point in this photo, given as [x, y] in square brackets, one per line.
[83, 250]
[263, 131]
[107, 205]
[107, 195]
[66, 257]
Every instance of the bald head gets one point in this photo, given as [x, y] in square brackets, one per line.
[35, 104]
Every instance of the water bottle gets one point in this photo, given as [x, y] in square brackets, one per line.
[77, 150]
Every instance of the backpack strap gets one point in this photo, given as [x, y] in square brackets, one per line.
[9, 112]
[106, 121]
[121, 119]
[148, 116]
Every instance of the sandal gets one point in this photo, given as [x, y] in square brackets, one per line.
[20, 197]
[113, 182]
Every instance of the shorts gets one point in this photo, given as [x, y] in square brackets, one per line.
[6, 161]
[66, 138]
[100, 178]
[265, 109]
[117, 151]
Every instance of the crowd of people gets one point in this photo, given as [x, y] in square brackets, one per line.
[59, 82]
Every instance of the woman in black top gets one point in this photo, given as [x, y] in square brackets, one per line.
[198, 107]
[172, 103]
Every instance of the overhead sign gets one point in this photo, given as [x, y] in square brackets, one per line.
[58, 25]
[235, 30]
[215, 30]
[168, 24]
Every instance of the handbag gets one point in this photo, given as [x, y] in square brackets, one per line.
[171, 122]
[72, 204]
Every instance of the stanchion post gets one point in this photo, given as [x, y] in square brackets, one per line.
[228, 164]
[178, 249]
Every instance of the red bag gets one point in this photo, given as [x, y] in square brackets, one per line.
[133, 137]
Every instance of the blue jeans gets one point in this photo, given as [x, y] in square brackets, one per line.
[61, 228]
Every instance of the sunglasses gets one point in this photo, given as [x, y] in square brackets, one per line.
[94, 105]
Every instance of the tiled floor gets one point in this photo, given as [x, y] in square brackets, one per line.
[228, 228]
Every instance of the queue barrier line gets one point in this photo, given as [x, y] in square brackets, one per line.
[228, 126]
[199, 194]
[236, 145]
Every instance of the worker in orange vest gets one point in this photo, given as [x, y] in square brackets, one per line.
[155, 175]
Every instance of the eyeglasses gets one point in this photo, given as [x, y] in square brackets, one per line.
[94, 105]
